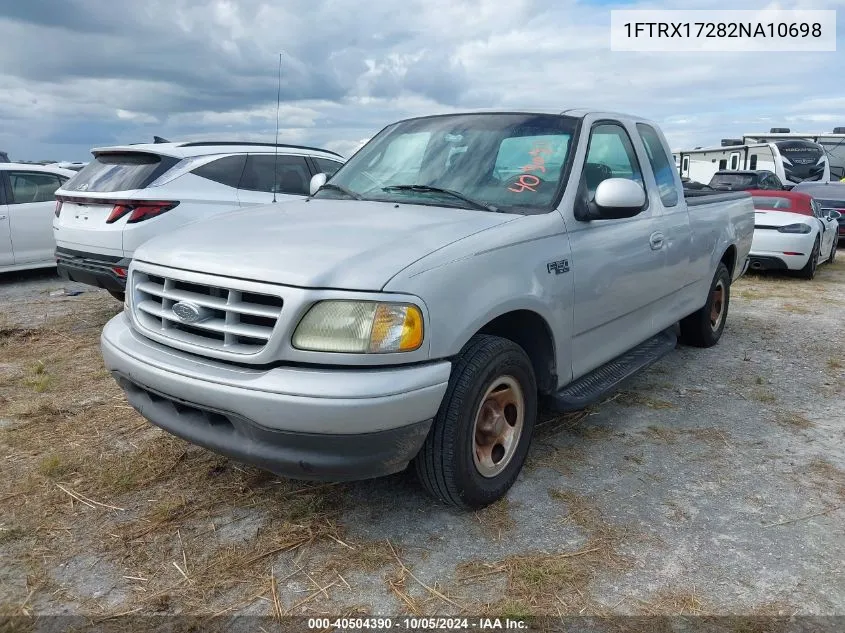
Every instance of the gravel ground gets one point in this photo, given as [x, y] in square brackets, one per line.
[714, 484]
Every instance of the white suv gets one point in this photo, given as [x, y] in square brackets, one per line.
[130, 193]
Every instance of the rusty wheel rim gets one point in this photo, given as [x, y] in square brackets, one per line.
[717, 305]
[498, 426]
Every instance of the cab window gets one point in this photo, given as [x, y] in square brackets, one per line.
[610, 155]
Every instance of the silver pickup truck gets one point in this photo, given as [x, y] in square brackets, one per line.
[455, 274]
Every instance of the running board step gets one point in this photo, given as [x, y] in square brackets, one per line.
[603, 380]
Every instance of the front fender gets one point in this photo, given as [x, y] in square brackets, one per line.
[518, 267]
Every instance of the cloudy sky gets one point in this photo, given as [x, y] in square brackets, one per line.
[75, 74]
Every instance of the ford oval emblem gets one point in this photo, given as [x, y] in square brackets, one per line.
[187, 312]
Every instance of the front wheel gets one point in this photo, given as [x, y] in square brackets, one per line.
[120, 296]
[833, 248]
[704, 328]
[480, 436]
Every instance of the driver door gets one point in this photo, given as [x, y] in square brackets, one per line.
[618, 265]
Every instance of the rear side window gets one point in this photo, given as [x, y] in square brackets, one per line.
[664, 170]
[29, 186]
[226, 171]
[291, 174]
[326, 166]
[120, 172]
[752, 162]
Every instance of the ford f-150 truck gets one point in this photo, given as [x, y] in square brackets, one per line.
[455, 274]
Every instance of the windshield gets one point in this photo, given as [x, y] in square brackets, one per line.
[838, 205]
[732, 181]
[507, 162]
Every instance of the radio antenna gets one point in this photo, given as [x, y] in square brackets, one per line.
[276, 148]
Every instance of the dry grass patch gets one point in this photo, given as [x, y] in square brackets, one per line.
[495, 519]
[794, 309]
[671, 602]
[828, 477]
[538, 583]
[794, 421]
[835, 364]
[638, 399]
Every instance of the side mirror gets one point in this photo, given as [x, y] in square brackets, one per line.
[317, 181]
[616, 198]
[834, 215]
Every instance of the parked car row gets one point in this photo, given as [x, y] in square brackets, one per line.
[418, 303]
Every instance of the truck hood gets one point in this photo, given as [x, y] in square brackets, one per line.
[345, 244]
[781, 218]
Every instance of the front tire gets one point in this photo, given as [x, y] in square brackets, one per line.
[120, 296]
[833, 249]
[809, 270]
[480, 437]
[704, 328]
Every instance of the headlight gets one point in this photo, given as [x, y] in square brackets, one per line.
[795, 228]
[360, 327]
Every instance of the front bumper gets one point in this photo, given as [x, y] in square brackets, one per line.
[325, 424]
[92, 269]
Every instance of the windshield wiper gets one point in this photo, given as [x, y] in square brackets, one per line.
[341, 189]
[476, 204]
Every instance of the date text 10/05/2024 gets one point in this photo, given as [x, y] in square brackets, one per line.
[416, 624]
[723, 29]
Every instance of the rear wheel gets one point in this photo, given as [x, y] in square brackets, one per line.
[809, 270]
[704, 328]
[480, 436]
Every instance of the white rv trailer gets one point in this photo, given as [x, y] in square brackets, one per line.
[793, 160]
[833, 144]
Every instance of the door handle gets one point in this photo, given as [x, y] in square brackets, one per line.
[656, 241]
[2, 217]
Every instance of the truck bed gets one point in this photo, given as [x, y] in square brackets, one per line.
[698, 197]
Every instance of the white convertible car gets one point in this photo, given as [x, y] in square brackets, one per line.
[792, 232]
[27, 207]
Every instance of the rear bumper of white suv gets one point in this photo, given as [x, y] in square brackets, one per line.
[326, 424]
[93, 269]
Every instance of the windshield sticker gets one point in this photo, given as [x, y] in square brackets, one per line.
[526, 180]
[538, 161]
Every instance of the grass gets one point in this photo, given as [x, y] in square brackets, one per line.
[638, 399]
[557, 582]
[835, 364]
[794, 421]
[495, 519]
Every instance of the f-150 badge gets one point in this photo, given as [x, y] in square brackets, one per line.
[558, 267]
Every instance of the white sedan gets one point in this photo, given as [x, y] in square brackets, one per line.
[27, 207]
[792, 232]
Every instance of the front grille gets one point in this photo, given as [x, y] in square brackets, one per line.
[230, 319]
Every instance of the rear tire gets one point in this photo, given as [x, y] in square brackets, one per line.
[120, 296]
[479, 439]
[809, 270]
[704, 328]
